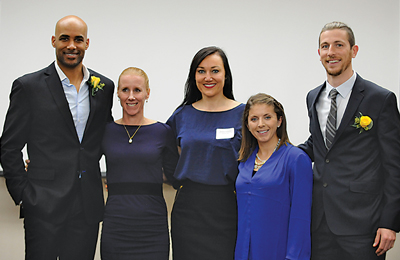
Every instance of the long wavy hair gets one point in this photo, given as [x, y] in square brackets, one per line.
[249, 142]
[192, 93]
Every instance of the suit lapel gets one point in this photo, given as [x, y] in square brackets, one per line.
[318, 137]
[55, 87]
[93, 102]
[351, 108]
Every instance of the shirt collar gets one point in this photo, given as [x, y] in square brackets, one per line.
[63, 77]
[345, 88]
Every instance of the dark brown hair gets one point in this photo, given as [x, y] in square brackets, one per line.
[192, 93]
[249, 142]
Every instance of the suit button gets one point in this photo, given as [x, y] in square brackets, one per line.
[325, 185]
[327, 160]
[82, 148]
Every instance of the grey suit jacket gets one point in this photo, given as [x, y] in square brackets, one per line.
[61, 167]
[357, 182]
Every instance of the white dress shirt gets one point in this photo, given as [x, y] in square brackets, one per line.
[323, 105]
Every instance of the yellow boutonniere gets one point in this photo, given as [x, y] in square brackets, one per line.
[95, 84]
[363, 123]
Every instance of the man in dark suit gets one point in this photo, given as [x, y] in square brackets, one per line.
[356, 154]
[59, 113]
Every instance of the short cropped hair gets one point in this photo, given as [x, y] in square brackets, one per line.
[341, 26]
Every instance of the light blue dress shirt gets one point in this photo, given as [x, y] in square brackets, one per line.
[79, 104]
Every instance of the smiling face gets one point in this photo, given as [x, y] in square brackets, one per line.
[210, 76]
[263, 123]
[336, 54]
[70, 42]
[132, 93]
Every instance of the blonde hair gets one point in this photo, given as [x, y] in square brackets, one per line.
[137, 72]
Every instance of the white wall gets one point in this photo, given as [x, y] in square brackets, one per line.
[271, 45]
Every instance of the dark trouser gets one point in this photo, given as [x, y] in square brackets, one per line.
[73, 239]
[327, 246]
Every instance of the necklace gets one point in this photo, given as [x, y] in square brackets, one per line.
[261, 163]
[130, 137]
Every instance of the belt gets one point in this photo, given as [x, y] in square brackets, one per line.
[135, 188]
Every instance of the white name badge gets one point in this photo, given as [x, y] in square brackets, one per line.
[225, 133]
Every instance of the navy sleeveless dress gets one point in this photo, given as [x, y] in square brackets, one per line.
[135, 221]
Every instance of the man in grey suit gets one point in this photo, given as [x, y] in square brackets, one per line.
[355, 146]
[59, 113]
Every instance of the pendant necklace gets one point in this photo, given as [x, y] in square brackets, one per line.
[130, 137]
[261, 163]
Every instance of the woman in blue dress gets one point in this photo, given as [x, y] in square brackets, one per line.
[138, 152]
[274, 187]
[207, 128]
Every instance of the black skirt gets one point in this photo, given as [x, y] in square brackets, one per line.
[204, 222]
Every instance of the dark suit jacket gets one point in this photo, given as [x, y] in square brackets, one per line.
[39, 116]
[357, 182]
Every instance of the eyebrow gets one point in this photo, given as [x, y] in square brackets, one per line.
[322, 43]
[267, 114]
[211, 67]
[66, 35]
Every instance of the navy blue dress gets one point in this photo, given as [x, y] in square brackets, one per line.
[135, 220]
[204, 216]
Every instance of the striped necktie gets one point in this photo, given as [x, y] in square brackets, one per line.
[331, 122]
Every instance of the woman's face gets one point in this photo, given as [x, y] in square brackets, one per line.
[210, 76]
[263, 122]
[132, 93]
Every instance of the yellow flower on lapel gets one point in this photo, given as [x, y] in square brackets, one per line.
[95, 84]
[363, 123]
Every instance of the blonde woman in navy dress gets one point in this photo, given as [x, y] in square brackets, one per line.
[208, 131]
[273, 188]
[138, 152]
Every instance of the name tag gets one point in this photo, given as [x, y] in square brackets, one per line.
[225, 133]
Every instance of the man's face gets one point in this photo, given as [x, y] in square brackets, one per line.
[335, 52]
[70, 42]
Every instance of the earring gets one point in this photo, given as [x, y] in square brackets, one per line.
[118, 98]
[279, 126]
[147, 101]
